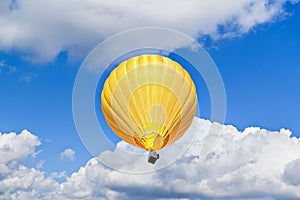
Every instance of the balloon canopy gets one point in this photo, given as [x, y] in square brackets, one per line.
[149, 101]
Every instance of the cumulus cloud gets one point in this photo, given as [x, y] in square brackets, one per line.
[291, 174]
[252, 164]
[255, 163]
[15, 147]
[16, 180]
[43, 29]
[67, 154]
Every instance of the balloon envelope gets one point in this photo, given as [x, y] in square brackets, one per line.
[149, 101]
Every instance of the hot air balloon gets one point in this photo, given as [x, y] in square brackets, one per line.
[149, 101]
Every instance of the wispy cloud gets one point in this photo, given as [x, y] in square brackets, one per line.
[36, 153]
[27, 77]
[40, 164]
[6, 69]
[76, 26]
[10, 70]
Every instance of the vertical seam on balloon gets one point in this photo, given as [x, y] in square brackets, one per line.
[130, 89]
[114, 76]
[169, 95]
[178, 97]
[160, 97]
[110, 114]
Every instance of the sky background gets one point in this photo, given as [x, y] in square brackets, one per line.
[257, 54]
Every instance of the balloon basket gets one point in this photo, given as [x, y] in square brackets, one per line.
[153, 157]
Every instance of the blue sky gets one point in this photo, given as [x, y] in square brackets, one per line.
[261, 75]
[260, 72]
[259, 67]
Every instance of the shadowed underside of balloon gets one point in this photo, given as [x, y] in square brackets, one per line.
[149, 101]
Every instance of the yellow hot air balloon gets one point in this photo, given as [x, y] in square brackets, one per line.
[149, 101]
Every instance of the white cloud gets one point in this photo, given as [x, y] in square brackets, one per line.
[15, 147]
[58, 175]
[25, 183]
[291, 174]
[253, 164]
[16, 180]
[6, 69]
[27, 77]
[67, 154]
[40, 164]
[36, 153]
[75, 26]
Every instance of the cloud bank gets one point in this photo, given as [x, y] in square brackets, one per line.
[251, 164]
[43, 29]
[255, 163]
